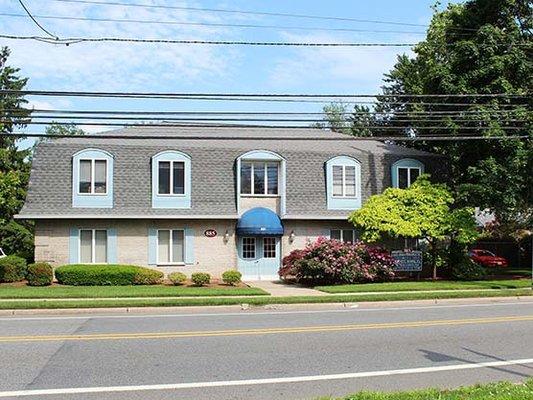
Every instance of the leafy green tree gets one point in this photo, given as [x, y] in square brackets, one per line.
[15, 237]
[67, 129]
[424, 210]
[479, 47]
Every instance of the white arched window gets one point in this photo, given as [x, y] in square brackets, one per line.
[92, 179]
[343, 178]
[171, 180]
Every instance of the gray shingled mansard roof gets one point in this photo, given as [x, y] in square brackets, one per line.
[213, 170]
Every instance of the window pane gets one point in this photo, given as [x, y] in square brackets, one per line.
[272, 178]
[164, 177]
[259, 178]
[337, 180]
[100, 246]
[269, 247]
[350, 180]
[100, 176]
[335, 234]
[163, 246]
[177, 246]
[248, 248]
[179, 178]
[85, 176]
[402, 178]
[347, 235]
[86, 242]
[246, 178]
[413, 174]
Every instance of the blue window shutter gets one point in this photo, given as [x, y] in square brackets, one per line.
[189, 246]
[73, 256]
[152, 246]
[112, 246]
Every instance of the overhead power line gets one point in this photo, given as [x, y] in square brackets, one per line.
[35, 21]
[74, 40]
[211, 24]
[255, 95]
[220, 10]
[294, 138]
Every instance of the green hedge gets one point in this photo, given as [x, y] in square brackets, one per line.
[231, 277]
[109, 274]
[200, 278]
[177, 278]
[12, 269]
[40, 274]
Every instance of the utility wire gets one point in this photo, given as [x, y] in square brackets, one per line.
[37, 22]
[74, 40]
[263, 13]
[293, 138]
[212, 24]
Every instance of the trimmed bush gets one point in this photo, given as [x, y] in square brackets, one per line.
[106, 275]
[231, 277]
[329, 261]
[200, 278]
[177, 278]
[147, 276]
[12, 269]
[40, 274]
[468, 270]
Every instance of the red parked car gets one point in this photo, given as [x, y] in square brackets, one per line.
[487, 258]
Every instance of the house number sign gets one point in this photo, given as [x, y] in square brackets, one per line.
[210, 233]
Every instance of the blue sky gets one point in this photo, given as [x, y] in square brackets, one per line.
[181, 68]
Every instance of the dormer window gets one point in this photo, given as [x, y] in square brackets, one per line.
[93, 176]
[405, 172]
[259, 178]
[92, 179]
[344, 181]
[171, 180]
[171, 177]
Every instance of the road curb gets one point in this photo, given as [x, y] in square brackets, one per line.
[245, 308]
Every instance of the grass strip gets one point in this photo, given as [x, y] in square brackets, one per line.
[63, 292]
[426, 285]
[255, 301]
[491, 391]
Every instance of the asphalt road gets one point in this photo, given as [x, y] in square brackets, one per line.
[297, 354]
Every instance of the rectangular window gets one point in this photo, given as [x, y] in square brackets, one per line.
[93, 246]
[344, 181]
[407, 176]
[246, 178]
[259, 178]
[170, 246]
[344, 235]
[269, 247]
[92, 176]
[171, 177]
[248, 248]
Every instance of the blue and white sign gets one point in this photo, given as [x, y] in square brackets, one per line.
[407, 261]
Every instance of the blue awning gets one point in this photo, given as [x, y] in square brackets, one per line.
[259, 221]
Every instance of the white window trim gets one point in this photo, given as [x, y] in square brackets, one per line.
[275, 248]
[171, 183]
[344, 195]
[354, 233]
[93, 180]
[255, 248]
[409, 183]
[265, 163]
[93, 246]
[179, 263]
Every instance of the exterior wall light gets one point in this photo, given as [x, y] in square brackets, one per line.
[292, 235]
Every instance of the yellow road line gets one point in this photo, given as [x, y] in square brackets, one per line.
[263, 331]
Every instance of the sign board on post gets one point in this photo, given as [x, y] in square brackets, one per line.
[409, 261]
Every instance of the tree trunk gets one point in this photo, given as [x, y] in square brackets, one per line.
[434, 259]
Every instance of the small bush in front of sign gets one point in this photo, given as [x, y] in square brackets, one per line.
[177, 278]
[40, 274]
[329, 261]
[231, 277]
[200, 278]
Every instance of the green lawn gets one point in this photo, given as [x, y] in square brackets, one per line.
[61, 292]
[426, 285]
[492, 391]
[252, 300]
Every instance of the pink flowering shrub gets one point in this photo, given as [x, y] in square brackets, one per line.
[329, 261]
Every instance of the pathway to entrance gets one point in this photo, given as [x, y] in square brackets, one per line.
[278, 288]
